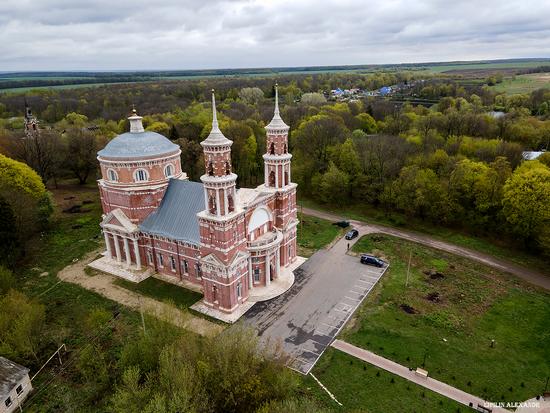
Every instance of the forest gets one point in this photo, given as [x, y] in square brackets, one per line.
[457, 163]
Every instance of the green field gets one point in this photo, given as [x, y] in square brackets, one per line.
[524, 83]
[315, 233]
[361, 387]
[162, 291]
[488, 65]
[448, 314]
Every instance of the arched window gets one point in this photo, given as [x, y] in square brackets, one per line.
[272, 149]
[230, 203]
[272, 178]
[210, 169]
[112, 175]
[212, 205]
[169, 170]
[227, 168]
[285, 149]
[286, 178]
[141, 175]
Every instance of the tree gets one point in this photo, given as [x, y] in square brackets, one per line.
[26, 194]
[82, 152]
[251, 95]
[526, 198]
[9, 240]
[7, 282]
[159, 127]
[366, 123]
[313, 99]
[333, 186]
[21, 324]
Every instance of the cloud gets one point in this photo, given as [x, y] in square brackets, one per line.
[195, 34]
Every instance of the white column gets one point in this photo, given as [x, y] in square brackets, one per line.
[136, 253]
[266, 174]
[276, 176]
[250, 279]
[117, 248]
[225, 206]
[127, 252]
[289, 178]
[218, 201]
[268, 270]
[278, 263]
[108, 245]
[206, 204]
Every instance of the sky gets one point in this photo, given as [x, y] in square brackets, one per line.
[205, 34]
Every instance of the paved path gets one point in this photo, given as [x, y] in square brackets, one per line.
[103, 284]
[328, 289]
[427, 382]
[527, 274]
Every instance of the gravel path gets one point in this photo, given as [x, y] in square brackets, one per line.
[532, 276]
[103, 284]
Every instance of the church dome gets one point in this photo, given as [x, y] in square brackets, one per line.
[138, 143]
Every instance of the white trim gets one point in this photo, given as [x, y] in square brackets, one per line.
[136, 173]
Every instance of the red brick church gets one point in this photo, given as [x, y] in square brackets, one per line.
[237, 246]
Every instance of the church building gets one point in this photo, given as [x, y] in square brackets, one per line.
[236, 245]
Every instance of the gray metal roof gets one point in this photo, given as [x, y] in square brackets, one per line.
[176, 217]
[10, 375]
[137, 145]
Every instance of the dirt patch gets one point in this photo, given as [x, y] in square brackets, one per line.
[434, 275]
[408, 309]
[433, 297]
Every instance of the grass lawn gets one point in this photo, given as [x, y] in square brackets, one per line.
[501, 248]
[450, 317]
[315, 233]
[162, 291]
[361, 387]
[69, 307]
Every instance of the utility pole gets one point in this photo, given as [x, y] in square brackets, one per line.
[408, 268]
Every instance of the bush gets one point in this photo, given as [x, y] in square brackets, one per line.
[7, 281]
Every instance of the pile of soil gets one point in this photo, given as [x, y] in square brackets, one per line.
[434, 297]
[408, 309]
[434, 275]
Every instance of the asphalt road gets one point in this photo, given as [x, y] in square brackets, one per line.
[305, 320]
[532, 276]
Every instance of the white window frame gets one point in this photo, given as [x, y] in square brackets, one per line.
[160, 259]
[185, 266]
[172, 263]
[169, 166]
[149, 257]
[19, 389]
[239, 290]
[137, 175]
[112, 175]
[257, 275]
[8, 402]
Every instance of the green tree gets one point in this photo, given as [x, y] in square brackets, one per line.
[526, 198]
[21, 324]
[366, 123]
[10, 248]
[251, 95]
[7, 281]
[333, 186]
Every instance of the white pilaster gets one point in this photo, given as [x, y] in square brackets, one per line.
[225, 206]
[250, 279]
[278, 263]
[276, 176]
[268, 269]
[266, 175]
[136, 253]
[218, 202]
[108, 245]
[127, 252]
[117, 248]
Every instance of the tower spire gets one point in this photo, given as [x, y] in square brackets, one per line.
[214, 114]
[277, 99]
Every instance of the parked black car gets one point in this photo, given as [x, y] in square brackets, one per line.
[371, 260]
[341, 224]
[352, 234]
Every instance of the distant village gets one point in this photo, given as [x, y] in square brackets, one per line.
[354, 94]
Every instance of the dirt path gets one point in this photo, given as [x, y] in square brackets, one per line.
[103, 284]
[527, 274]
